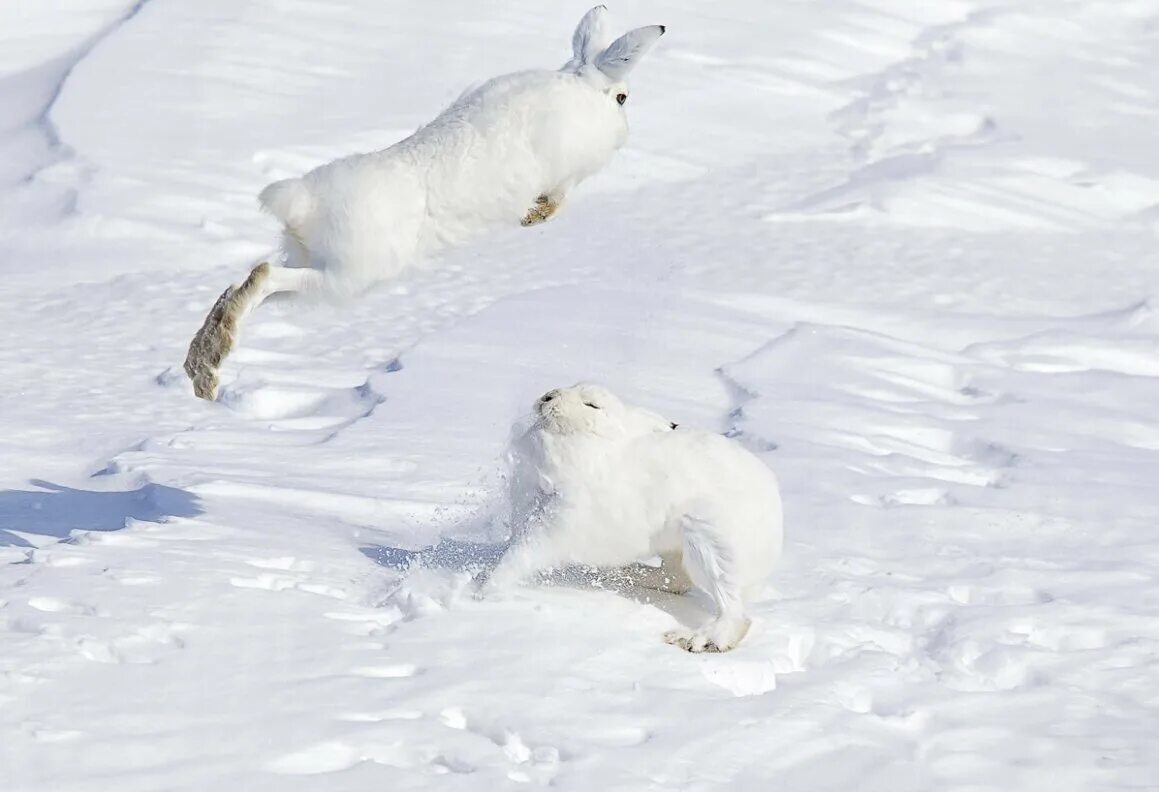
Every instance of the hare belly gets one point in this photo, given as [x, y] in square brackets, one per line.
[597, 540]
[494, 186]
[603, 550]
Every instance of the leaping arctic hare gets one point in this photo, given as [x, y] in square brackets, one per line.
[596, 482]
[509, 150]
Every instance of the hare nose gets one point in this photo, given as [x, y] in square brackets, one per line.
[549, 396]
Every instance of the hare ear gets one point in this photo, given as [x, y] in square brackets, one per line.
[590, 35]
[623, 53]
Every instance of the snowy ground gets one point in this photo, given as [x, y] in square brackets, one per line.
[907, 251]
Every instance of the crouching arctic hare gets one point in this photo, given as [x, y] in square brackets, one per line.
[507, 151]
[600, 483]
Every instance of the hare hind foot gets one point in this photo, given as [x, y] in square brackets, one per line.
[544, 208]
[718, 635]
[218, 334]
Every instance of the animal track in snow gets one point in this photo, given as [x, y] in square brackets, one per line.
[379, 716]
[136, 579]
[336, 755]
[1061, 637]
[970, 665]
[97, 651]
[790, 649]
[927, 150]
[141, 645]
[923, 496]
[272, 403]
[297, 405]
[388, 671]
[968, 594]
[324, 590]
[56, 605]
[267, 582]
[740, 677]
[283, 563]
[611, 736]
[854, 697]
[325, 757]
[530, 763]
[373, 622]
[272, 581]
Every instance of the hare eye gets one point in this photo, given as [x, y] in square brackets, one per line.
[621, 98]
[589, 404]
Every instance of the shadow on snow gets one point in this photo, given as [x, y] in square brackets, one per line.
[456, 555]
[54, 510]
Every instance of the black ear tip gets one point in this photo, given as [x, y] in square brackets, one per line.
[662, 29]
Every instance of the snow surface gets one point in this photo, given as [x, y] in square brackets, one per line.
[906, 251]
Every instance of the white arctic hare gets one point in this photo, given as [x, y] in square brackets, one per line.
[600, 483]
[507, 151]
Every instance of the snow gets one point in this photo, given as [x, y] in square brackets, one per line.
[904, 251]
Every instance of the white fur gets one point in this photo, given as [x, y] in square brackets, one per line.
[482, 162]
[601, 483]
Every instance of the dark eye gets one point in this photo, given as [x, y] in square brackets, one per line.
[621, 98]
[589, 404]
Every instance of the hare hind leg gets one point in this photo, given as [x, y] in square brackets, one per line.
[218, 334]
[712, 563]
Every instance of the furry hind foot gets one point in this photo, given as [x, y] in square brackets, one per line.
[544, 208]
[718, 635]
[208, 348]
[218, 334]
